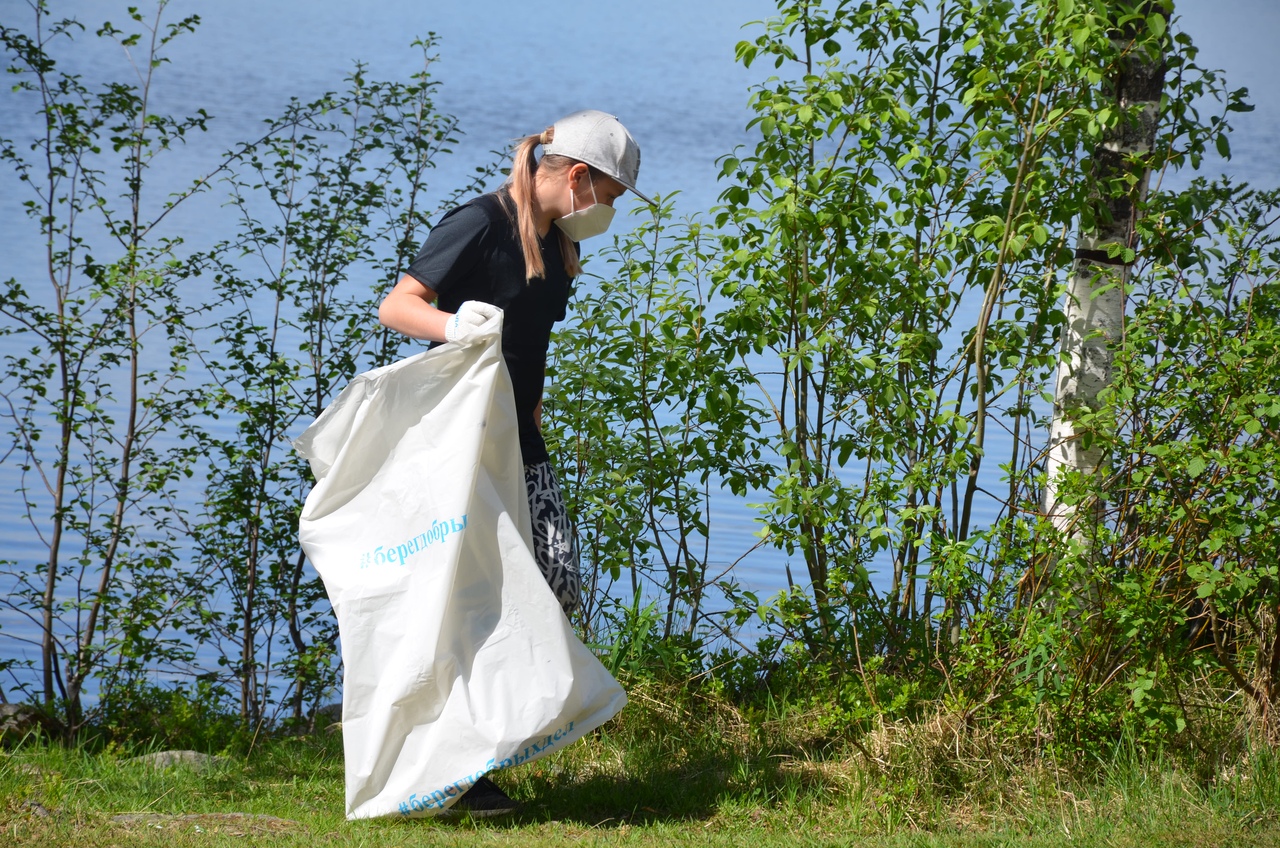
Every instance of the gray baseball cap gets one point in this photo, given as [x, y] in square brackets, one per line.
[600, 140]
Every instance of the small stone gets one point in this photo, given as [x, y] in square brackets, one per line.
[36, 809]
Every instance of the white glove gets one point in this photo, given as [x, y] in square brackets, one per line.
[464, 326]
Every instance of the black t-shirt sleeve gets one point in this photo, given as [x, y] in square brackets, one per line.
[452, 249]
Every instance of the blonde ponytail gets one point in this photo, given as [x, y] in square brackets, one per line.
[520, 188]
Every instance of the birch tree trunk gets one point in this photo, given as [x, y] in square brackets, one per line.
[1095, 299]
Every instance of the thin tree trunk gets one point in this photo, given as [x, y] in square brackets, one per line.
[1095, 300]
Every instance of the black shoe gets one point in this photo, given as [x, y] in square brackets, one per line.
[484, 799]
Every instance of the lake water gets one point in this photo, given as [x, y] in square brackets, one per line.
[665, 67]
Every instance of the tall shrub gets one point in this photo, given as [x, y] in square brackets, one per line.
[332, 205]
[93, 363]
[896, 247]
[145, 581]
[645, 414]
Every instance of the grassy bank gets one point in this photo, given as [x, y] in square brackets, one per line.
[673, 769]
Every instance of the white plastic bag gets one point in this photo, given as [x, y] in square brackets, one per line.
[456, 657]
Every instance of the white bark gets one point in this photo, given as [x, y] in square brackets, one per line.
[1094, 310]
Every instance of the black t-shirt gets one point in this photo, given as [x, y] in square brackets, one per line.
[474, 253]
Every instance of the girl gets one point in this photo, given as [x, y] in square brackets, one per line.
[516, 250]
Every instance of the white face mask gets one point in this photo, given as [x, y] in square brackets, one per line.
[584, 223]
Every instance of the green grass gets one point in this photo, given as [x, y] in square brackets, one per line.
[673, 769]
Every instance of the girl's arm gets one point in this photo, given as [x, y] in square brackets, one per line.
[408, 308]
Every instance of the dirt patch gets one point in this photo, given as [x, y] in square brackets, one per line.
[234, 824]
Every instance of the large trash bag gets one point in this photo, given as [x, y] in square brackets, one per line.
[457, 659]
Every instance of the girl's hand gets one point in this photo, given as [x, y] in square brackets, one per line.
[464, 326]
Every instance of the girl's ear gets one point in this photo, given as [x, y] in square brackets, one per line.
[576, 174]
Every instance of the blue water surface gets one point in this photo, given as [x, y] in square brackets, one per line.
[665, 67]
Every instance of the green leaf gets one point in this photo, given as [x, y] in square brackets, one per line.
[1156, 24]
[1079, 36]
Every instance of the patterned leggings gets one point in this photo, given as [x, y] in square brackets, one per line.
[554, 542]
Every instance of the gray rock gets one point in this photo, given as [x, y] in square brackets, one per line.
[328, 714]
[175, 759]
[19, 720]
